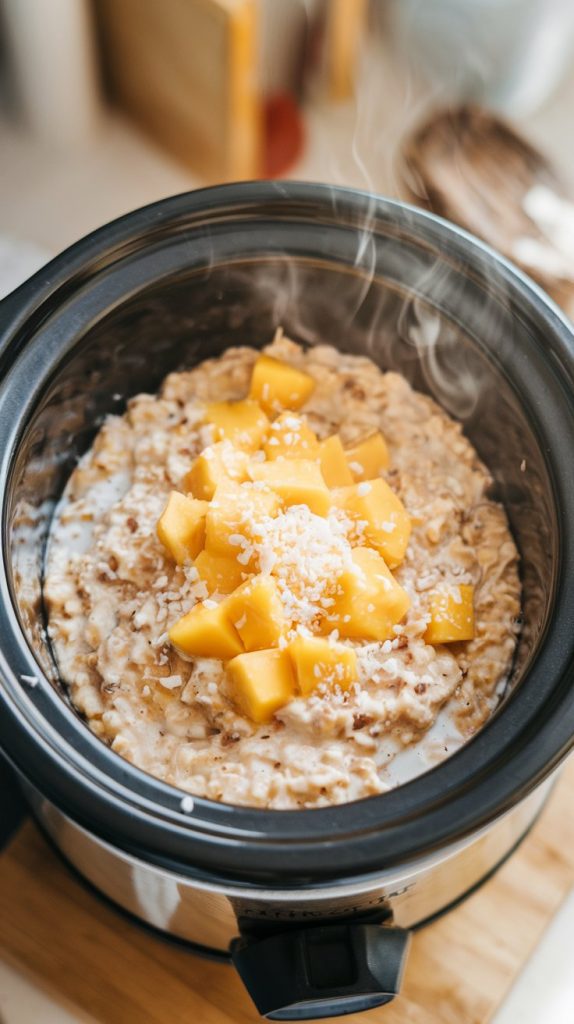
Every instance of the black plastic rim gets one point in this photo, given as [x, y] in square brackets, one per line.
[510, 756]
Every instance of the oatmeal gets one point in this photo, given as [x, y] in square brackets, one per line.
[268, 583]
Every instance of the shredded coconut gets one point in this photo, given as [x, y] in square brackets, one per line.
[306, 554]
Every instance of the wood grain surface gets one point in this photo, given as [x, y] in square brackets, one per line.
[458, 972]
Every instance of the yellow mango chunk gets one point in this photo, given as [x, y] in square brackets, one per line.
[232, 518]
[256, 611]
[368, 458]
[368, 599]
[181, 526]
[219, 573]
[244, 423]
[276, 385]
[452, 615]
[382, 520]
[260, 683]
[216, 464]
[290, 437]
[206, 632]
[298, 482]
[333, 463]
[316, 662]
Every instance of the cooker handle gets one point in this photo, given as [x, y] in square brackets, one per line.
[323, 970]
[9, 308]
[13, 808]
[13, 309]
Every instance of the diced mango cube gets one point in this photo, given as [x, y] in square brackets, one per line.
[256, 611]
[181, 526]
[233, 517]
[243, 423]
[206, 632]
[261, 682]
[317, 662]
[276, 385]
[290, 437]
[216, 464]
[368, 458]
[452, 615]
[381, 518]
[298, 482]
[333, 463]
[368, 599]
[220, 573]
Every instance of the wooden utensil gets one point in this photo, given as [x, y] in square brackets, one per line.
[474, 168]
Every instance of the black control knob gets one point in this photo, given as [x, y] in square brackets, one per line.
[323, 970]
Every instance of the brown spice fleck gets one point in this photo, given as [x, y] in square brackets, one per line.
[132, 524]
[421, 688]
[360, 721]
[227, 738]
[113, 563]
[355, 390]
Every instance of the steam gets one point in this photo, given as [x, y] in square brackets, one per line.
[357, 144]
[553, 216]
[449, 380]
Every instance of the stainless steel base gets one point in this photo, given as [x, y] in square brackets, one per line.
[207, 914]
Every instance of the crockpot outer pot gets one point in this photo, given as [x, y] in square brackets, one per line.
[182, 279]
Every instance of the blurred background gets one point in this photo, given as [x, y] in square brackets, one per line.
[109, 104]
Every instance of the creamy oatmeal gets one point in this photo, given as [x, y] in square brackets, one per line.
[327, 582]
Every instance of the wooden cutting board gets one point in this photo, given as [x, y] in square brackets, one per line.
[187, 72]
[459, 969]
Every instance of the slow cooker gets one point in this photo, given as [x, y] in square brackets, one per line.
[314, 907]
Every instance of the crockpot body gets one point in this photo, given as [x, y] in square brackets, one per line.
[212, 915]
[179, 282]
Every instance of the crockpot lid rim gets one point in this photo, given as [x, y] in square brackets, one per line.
[114, 236]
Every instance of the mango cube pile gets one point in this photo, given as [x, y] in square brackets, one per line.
[369, 602]
[368, 458]
[317, 662]
[451, 615]
[265, 466]
[334, 463]
[181, 526]
[301, 483]
[381, 518]
[277, 386]
[256, 611]
[243, 423]
[290, 437]
[217, 464]
[222, 574]
[207, 632]
[231, 518]
[260, 683]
